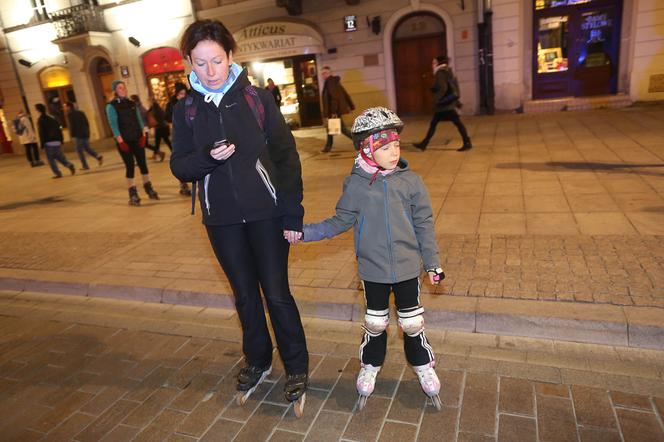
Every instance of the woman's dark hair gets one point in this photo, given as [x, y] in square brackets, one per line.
[201, 30]
[442, 59]
[40, 108]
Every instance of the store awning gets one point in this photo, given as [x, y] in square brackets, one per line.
[161, 60]
[276, 39]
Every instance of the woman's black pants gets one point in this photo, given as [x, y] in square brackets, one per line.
[255, 255]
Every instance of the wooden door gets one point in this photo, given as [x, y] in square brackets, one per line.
[413, 73]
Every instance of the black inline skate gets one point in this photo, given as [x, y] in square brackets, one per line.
[295, 391]
[248, 380]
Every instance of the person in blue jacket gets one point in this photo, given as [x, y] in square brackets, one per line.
[130, 132]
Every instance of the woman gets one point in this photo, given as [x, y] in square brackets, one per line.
[250, 180]
[445, 101]
[274, 90]
[130, 136]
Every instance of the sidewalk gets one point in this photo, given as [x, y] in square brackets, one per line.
[551, 226]
[84, 369]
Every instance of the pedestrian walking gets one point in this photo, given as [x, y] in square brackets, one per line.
[231, 139]
[180, 93]
[388, 206]
[274, 89]
[156, 153]
[445, 102]
[28, 138]
[336, 103]
[130, 134]
[79, 129]
[51, 138]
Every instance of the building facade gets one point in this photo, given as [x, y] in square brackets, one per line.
[507, 54]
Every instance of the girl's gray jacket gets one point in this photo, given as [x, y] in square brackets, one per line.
[393, 224]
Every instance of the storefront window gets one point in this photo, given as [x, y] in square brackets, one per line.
[56, 84]
[543, 4]
[163, 68]
[552, 44]
[596, 38]
[281, 72]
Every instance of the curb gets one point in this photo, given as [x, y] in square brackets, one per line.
[641, 327]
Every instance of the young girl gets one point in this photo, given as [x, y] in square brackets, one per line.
[389, 208]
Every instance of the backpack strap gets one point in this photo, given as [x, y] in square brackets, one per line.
[256, 105]
[189, 110]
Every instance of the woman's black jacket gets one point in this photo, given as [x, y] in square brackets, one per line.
[261, 180]
[49, 129]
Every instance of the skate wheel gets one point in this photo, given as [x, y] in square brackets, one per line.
[436, 402]
[298, 406]
[362, 401]
[241, 399]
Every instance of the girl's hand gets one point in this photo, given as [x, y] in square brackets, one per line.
[292, 236]
[222, 152]
[436, 275]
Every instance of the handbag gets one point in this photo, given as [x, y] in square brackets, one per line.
[333, 126]
[451, 95]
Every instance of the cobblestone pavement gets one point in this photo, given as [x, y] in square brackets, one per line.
[558, 207]
[92, 369]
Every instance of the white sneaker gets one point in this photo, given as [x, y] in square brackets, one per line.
[428, 379]
[366, 379]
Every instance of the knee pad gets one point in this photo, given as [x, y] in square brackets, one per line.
[412, 323]
[375, 322]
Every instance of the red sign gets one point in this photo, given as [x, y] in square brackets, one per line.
[162, 60]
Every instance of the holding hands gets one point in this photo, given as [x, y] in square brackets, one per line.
[292, 236]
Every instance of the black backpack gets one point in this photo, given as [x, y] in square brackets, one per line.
[19, 127]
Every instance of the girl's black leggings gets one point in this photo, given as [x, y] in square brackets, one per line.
[135, 152]
[255, 255]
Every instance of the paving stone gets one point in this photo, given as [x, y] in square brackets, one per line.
[397, 431]
[286, 436]
[161, 427]
[627, 400]
[149, 409]
[593, 407]
[327, 372]
[516, 428]
[450, 387]
[438, 425]
[121, 432]
[344, 394]
[328, 426]
[639, 426]
[70, 427]
[480, 397]
[206, 412]
[558, 390]
[222, 430]
[260, 425]
[598, 435]
[366, 424]
[516, 396]
[107, 421]
[64, 409]
[555, 419]
[313, 403]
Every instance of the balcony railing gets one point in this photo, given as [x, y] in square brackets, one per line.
[78, 20]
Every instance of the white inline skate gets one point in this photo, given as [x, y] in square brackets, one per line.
[366, 381]
[429, 382]
[248, 380]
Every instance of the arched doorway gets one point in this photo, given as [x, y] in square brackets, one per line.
[101, 73]
[163, 67]
[416, 40]
[57, 88]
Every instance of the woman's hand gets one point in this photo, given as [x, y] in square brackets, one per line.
[222, 151]
[292, 236]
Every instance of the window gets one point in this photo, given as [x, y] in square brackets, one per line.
[552, 44]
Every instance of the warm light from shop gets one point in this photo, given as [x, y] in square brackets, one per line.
[54, 76]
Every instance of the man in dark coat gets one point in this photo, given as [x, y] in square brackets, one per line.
[336, 102]
[79, 129]
[445, 101]
[51, 138]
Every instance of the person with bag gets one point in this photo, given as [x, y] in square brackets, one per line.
[28, 138]
[230, 139]
[445, 101]
[79, 129]
[336, 103]
[149, 121]
[130, 135]
[51, 138]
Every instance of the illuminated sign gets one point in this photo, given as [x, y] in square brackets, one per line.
[350, 23]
